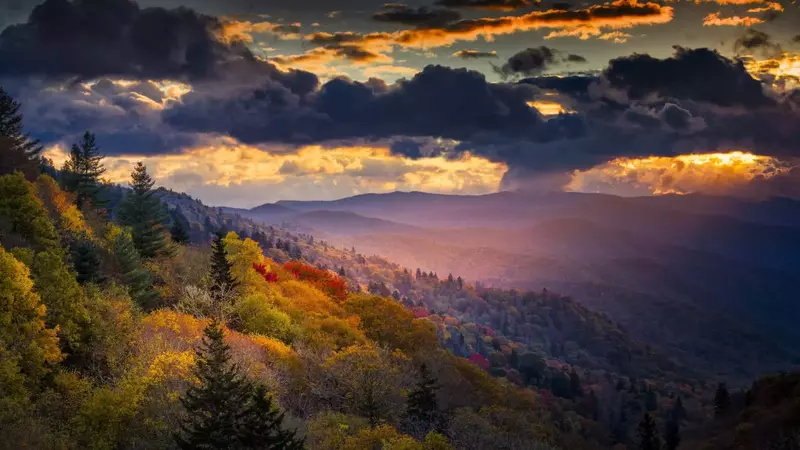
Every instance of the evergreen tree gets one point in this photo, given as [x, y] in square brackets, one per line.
[83, 170]
[86, 261]
[216, 407]
[17, 150]
[178, 232]
[648, 434]
[262, 425]
[342, 273]
[422, 406]
[221, 275]
[144, 213]
[672, 434]
[138, 279]
[722, 400]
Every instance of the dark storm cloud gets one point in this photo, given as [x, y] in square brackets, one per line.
[474, 54]
[501, 5]
[92, 38]
[701, 75]
[754, 40]
[532, 61]
[439, 101]
[417, 17]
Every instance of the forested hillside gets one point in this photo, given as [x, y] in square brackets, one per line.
[138, 318]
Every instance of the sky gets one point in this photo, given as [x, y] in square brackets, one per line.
[240, 102]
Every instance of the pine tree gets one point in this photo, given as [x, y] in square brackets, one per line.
[178, 232]
[144, 213]
[648, 434]
[138, 280]
[722, 400]
[216, 408]
[86, 261]
[17, 150]
[221, 276]
[83, 170]
[672, 434]
[422, 407]
[262, 425]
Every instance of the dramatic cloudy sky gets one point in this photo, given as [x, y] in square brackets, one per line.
[240, 102]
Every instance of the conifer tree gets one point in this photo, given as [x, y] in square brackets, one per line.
[86, 261]
[178, 232]
[262, 425]
[678, 411]
[650, 400]
[144, 213]
[216, 408]
[83, 170]
[722, 400]
[138, 280]
[221, 276]
[648, 434]
[422, 406]
[672, 434]
[575, 384]
[17, 150]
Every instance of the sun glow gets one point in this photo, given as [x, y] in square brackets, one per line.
[683, 174]
[783, 71]
[548, 108]
[225, 166]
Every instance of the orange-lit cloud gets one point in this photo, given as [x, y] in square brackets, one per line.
[716, 20]
[232, 30]
[718, 173]
[548, 108]
[603, 21]
[783, 71]
[769, 6]
[256, 175]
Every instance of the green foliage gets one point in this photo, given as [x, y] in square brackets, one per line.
[262, 425]
[145, 215]
[178, 232]
[63, 297]
[422, 407]
[28, 349]
[224, 410]
[18, 152]
[256, 315]
[82, 172]
[389, 323]
[138, 279]
[221, 275]
[86, 261]
[23, 218]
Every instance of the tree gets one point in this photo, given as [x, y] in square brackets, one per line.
[216, 407]
[82, 171]
[17, 150]
[672, 434]
[648, 434]
[262, 425]
[221, 276]
[28, 350]
[86, 261]
[422, 407]
[144, 213]
[138, 280]
[178, 232]
[722, 400]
